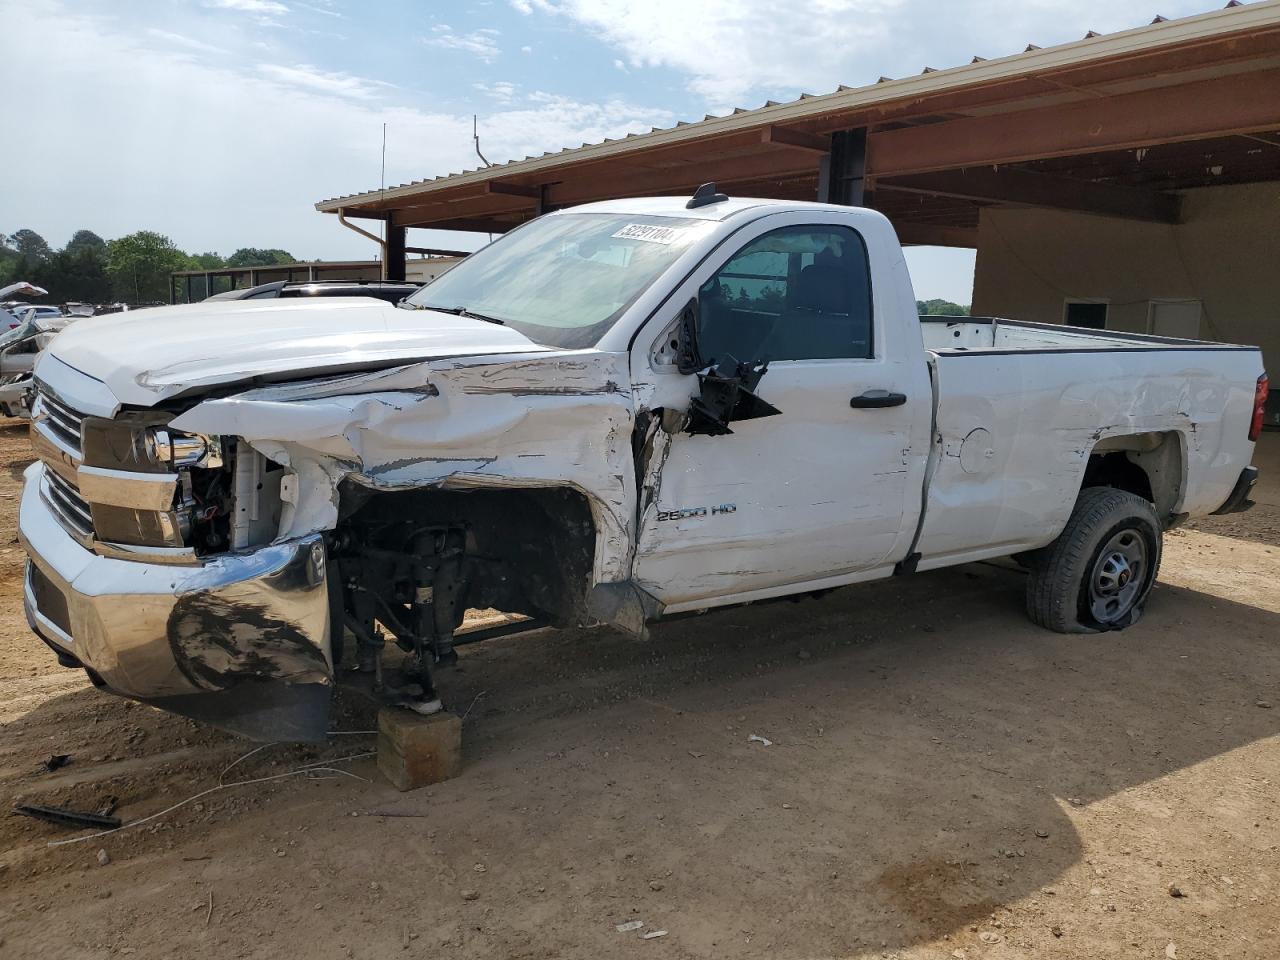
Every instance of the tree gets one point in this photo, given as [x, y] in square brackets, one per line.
[206, 261]
[940, 308]
[74, 275]
[254, 257]
[30, 245]
[139, 266]
[83, 240]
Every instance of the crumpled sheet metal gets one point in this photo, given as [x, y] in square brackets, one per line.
[530, 421]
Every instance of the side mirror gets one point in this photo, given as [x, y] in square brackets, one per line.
[688, 356]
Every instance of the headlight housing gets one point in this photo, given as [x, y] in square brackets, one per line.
[184, 449]
[197, 518]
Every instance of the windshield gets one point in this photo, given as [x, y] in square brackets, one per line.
[563, 280]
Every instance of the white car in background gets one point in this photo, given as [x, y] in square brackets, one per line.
[19, 348]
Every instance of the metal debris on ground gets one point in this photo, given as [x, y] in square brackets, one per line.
[756, 738]
[63, 817]
[629, 926]
[653, 935]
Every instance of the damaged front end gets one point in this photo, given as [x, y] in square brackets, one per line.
[151, 565]
[231, 557]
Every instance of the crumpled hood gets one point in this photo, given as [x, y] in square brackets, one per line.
[145, 356]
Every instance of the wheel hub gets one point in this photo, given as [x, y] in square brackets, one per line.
[1117, 576]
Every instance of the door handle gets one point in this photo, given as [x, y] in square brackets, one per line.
[873, 399]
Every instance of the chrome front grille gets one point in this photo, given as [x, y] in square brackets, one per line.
[62, 421]
[64, 499]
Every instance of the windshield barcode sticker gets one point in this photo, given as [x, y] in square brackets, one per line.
[650, 234]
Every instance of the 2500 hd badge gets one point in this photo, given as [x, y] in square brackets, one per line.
[687, 512]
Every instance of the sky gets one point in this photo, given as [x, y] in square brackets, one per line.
[221, 122]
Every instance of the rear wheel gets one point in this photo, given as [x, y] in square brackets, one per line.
[1097, 574]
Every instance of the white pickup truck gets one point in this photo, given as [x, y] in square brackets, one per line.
[611, 414]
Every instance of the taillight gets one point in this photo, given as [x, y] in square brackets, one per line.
[1259, 408]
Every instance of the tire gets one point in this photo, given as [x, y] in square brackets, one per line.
[1097, 575]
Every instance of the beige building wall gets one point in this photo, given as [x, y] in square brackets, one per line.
[1226, 254]
[425, 269]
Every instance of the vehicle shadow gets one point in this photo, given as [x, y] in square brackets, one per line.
[929, 750]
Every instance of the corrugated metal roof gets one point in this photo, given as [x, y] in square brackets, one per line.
[1161, 31]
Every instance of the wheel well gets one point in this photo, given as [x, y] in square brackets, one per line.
[1117, 470]
[527, 550]
[1148, 465]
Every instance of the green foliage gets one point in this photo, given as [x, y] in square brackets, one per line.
[139, 266]
[73, 275]
[30, 245]
[206, 261]
[940, 308]
[254, 257]
[85, 240]
[134, 269]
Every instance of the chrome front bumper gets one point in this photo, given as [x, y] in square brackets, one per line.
[240, 641]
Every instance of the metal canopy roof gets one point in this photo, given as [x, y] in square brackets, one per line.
[1106, 124]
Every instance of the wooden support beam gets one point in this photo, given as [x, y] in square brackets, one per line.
[786, 137]
[1008, 185]
[474, 225]
[680, 179]
[931, 235]
[481, 205]
[512, 190]
[1219, 107]
[842, 176]
[393, 254]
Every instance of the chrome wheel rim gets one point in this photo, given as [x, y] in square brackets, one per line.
[1117, 576]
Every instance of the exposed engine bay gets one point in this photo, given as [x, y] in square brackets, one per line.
[408, 565]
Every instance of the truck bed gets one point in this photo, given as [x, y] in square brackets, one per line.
[997, 335]
[1021, 407]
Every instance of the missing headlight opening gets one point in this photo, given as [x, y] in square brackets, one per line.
[223, 495]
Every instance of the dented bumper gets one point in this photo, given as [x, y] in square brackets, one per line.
[239, 642]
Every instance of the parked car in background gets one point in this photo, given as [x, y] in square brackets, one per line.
[19, 348]
[388, 290]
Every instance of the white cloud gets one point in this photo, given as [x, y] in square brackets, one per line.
[321, 81]
[733, 51]
[729, 50]
[319, 9]
[267, 7]
[225, 154]
[483, 43]
[503, 91]
[179, 40]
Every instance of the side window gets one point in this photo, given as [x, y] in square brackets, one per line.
[798, 293]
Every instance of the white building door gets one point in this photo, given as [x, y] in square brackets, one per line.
[1174, 318]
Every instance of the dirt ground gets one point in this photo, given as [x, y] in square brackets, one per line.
[943, 781]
